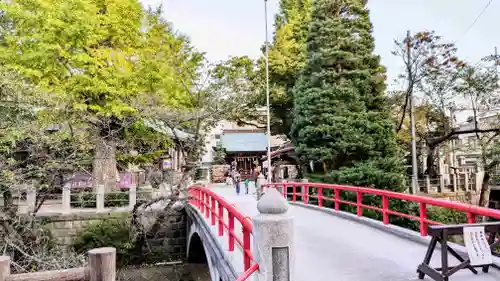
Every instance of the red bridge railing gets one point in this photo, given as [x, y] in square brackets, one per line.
[317, 191]
[215, 208]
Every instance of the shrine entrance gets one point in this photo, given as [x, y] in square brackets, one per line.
[245, 162]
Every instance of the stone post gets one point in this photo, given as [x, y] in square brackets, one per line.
[261, 180]
[273, 236]
[66, 198]
[100, 194]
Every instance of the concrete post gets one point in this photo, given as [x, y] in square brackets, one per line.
[261, 180]
[427, 184]
[454, 181]
[66, 198]
[132, 196]
[466, 182]
[31, 198]
[100, 197]
[274, 241]
[441, 183]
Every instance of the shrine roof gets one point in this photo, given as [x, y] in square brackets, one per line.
[243, 142]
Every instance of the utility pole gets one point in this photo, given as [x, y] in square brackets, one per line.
[269, 171]
[414, 176]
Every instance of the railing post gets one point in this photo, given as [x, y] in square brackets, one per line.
[221, 219]
[231, 230]
[132, 196]
[202, 202]
[285, 191]
[102, 264]
[471, 218]
[273, 232]
[337, 198]
[359, 202]
[294, 190]
[4, 267]
[385, 208]
[246, 248]
[213, 211]
[100, 197]
[305, 191]
[207, 206]
[320, 196]
[423, 219]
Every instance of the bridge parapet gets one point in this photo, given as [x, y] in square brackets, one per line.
[321, 194]
[272, 231]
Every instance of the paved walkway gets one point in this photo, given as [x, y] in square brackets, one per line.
[331, 248]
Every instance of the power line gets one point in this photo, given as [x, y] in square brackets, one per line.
[476, 19]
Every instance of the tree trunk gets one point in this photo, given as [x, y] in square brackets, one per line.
[431, 159]
[484, 195]
[104, 170]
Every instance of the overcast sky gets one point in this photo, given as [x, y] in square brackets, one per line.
[224, 28]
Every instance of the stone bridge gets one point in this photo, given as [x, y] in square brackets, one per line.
[314, 239]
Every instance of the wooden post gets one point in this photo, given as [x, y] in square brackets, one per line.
[102, 264]
[4, 267]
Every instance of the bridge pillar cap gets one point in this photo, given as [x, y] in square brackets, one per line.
[272, 202]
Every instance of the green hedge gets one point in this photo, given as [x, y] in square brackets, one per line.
[115, 233]
[89, 200]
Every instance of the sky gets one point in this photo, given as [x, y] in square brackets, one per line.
[224, 28]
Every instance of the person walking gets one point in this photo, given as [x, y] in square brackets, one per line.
[237, 179]
[246, 185]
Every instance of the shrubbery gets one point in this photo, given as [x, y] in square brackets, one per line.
[117, 233]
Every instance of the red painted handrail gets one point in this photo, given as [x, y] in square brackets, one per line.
[212, 206]
[471, 211]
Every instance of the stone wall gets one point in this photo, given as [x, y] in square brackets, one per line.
[65, 227]
[166, 243]
[463, 197]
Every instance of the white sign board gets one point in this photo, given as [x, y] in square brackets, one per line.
[477, 245]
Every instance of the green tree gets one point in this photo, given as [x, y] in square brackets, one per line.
[287, 56]
[100, 59]
[341, 112]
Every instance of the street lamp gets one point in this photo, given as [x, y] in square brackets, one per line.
[269, 178]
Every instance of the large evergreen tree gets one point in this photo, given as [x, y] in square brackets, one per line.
[341, 112]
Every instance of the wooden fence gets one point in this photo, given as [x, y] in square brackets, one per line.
[101, 267]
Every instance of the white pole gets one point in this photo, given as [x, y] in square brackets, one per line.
[414, 177]
[269, 178]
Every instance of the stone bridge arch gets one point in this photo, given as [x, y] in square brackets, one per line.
[203, 247]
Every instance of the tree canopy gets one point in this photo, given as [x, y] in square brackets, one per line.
[341, 111]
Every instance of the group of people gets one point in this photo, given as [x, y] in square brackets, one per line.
[233, 177]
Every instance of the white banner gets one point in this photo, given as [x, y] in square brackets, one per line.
[477, 245]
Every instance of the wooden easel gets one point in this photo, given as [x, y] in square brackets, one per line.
[440, 234]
